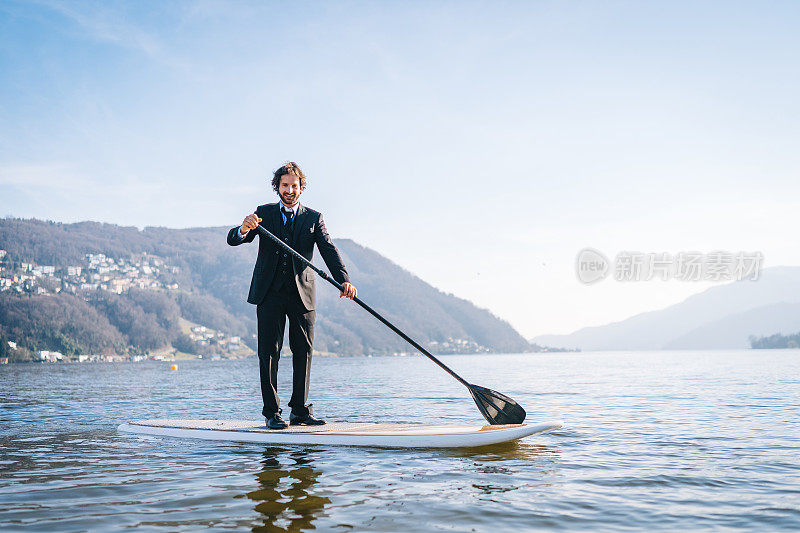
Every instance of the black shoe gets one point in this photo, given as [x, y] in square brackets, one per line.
[305, 420]
[276, 422]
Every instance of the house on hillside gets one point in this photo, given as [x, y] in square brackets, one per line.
[50, 357]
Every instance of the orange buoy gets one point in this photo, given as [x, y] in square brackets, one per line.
[173, 367]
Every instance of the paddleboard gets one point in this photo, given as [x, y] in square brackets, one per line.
[342, 433]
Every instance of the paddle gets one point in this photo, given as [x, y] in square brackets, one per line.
[495, 407]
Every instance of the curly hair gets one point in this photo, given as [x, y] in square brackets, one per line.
[289, 168]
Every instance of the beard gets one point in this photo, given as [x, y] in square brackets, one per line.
[289, 199]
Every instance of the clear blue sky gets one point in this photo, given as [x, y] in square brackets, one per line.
[478, 144]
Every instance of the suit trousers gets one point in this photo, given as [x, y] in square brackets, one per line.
[272, 313]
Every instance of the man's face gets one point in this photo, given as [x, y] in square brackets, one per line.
[289, 189]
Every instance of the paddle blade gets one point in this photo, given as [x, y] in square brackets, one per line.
[495, 407]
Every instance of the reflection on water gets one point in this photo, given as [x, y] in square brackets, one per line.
[500, 466]
[284, 498]
[507, 451]
[287, 497]
[652, 441]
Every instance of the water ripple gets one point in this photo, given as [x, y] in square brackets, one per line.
[660, 441]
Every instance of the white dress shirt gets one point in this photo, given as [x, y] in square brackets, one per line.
[293, 209]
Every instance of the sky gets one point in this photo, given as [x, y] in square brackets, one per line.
[480, 145]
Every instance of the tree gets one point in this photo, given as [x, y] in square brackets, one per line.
[184, 343]
[4, 349]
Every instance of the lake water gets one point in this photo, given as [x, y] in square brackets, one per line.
[661, 440]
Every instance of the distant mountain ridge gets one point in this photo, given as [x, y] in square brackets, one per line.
[720, 317]
[211, 280]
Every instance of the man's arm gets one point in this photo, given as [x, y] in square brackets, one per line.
[235, 238]
[329, 253]
[241, 234]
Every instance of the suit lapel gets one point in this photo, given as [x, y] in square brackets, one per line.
[298, 221]
[277, 220]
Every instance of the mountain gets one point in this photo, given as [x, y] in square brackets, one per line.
[136, 285]
[735, 330]
[723, 316]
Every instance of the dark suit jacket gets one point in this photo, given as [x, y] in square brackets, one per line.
[308, 229]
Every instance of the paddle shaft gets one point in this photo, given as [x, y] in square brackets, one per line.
[324, 275]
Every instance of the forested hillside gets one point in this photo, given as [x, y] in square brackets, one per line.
[90, 287]
[775, 341]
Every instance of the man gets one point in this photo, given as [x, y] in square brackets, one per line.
[282, 287]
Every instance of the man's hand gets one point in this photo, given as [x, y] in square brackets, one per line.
[349, 291]
[250, 222]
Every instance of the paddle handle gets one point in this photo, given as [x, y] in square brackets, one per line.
[324, 275]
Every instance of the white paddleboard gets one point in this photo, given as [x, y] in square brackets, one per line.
[342, 433]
